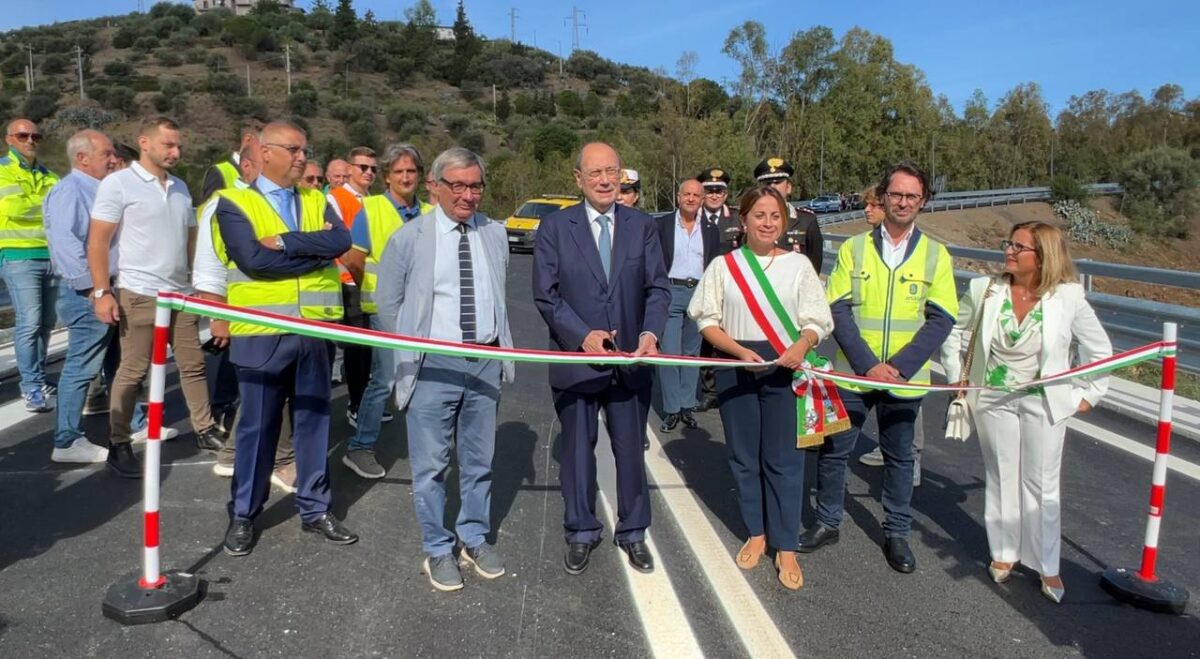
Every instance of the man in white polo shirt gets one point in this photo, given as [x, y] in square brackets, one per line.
[157, 231]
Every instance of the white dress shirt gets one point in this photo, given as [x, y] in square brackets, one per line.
[208, 273]
[592, 214]
[445, 323]
[894, 251]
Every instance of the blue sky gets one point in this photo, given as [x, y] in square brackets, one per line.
[1067, 46]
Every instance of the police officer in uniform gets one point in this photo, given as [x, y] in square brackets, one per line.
[802, 234]
[631, 189]
[716, 211]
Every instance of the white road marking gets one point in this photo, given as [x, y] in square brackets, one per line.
[1178, 465]
[754, 626]
[668, 632]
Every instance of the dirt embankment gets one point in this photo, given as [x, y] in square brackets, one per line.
[986, 227]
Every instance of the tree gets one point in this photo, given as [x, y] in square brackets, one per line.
[553, 138]
[466, 48]
[685, 72]
[1162, 188]
[503, 106]
[345, 25]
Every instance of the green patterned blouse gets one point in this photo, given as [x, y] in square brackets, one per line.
[1016, 348]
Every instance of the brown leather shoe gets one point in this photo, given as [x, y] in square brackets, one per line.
[748, 556]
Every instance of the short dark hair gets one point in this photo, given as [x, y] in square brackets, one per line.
[904, 167]
[125, 152]
[153, 124]
[360, 151]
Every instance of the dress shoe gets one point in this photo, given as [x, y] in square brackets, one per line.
[122, 462]
[816, 537]
[1053, 594]
[668, 424]
[333, 530]
[210, 440]
[709, 403]
[791, 579]
[239, 537]
[999, 574]
[639, 555]
[750, 553]
[688, 419]
[899, 556]
[575, 561]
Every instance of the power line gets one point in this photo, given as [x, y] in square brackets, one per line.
[575, 25]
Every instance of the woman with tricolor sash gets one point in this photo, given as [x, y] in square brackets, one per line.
[763, 304]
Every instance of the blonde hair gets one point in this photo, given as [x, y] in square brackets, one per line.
[870, 196]
[1054, 259]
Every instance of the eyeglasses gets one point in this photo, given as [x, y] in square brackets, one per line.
[365, 168]
[458, 187]
[597, 174]
[294, 150]
[897, 197]
[27, 137]
[1017, 248]
[314, 179]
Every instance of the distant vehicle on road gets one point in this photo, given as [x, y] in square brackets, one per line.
[523, 224]
[829, 203]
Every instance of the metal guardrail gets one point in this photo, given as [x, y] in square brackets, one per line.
[1130, 322]
[976, 199]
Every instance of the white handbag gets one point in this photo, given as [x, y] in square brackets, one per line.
[959, 424]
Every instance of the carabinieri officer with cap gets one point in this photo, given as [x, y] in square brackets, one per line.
[716, 212]
[803, 233]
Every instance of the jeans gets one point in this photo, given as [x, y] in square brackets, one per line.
[681, 337]
[453, 405]
[32, 288]
[374, 399]
[87, 342]
[896, 417]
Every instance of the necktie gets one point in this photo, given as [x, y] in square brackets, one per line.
[605, 244]
[286, 211]
[466, 287]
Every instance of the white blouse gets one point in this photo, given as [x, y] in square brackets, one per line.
[717, 301]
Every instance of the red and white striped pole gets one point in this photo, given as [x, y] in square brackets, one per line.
[153, 596]
[1144, 588]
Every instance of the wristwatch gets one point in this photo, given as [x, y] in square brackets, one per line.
[279, 243]
[100, 292]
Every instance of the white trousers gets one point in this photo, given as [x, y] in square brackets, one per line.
[1022, 458]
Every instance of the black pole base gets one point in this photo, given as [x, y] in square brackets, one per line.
[1160, 596]
[130, 604]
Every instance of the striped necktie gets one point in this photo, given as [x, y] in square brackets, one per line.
[466, 287]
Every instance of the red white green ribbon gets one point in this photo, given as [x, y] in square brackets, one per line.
[376, 339]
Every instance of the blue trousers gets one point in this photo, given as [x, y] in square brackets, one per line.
[625, 412]
[896, 417]
[299, 368]
[374, 399]
[87, 342]
[758, 413]
[681, 337]
[453, 403]
[32, 288]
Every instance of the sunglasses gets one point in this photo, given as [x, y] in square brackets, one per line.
[365, 168]
[314, 179]
[27, 137]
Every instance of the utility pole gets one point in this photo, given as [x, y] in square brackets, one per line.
[821, 175]
[248, 90]
[1051, 156]
[512, 19]
[575, 25]
[493, 100]
[29, 70]
[79, 64]
[287, 60]
[560, 59]
[933, 160]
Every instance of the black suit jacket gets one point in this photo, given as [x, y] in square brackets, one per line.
[666, 236]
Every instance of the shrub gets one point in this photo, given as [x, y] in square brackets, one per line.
[122, 99]
[124, 37]
[169, 58]
[304, 102]
[553, 138]
[195, 55]
[351, 111]
[40, 104]
[456, 124]
[1064, 187]
[118, 69]
[1084, 227]
[145, 44]
[1161, 188]
[216, 62]
[363, 132]
[242, 106]
[472, 140]
[55, 63]
[84, 116]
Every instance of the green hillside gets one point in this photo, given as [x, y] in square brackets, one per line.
[840, 108]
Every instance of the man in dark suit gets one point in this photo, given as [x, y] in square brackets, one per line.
[279, 243]
[688, 245]
[600, 283]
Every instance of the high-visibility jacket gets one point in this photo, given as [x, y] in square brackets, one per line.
[348, 204]
[229, 172]
[382, 220]
[22, 189]
[889, 305]
[316, 295]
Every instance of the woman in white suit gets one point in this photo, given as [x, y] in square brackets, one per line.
[1028, 319]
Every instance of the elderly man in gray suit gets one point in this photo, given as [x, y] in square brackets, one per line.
[442, 276]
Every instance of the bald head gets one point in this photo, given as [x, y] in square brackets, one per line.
[91, 152]
[23, 136]
[598, 174]
[691, 195]
[284, 149]
[337, 172]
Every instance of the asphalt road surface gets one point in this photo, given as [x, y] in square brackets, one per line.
[67, 534]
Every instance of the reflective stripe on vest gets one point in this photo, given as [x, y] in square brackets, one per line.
[314, 295]
[888, 305]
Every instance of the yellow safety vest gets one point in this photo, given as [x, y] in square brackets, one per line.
[889, 305]
[229, 172]
[382, 221]
[315, 295]
[22, 190]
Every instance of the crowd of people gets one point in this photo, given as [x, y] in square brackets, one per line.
[274, 232]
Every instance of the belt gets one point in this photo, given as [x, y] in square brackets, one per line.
[689, 282]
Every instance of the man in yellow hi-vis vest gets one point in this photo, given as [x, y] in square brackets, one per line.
[25, 258]
[380, 217]
[894, 302]
[278, 243]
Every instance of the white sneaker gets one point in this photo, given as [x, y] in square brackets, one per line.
[917, 471]
[872, 458]
[80, 451]
[144, 434]
[224, 471]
